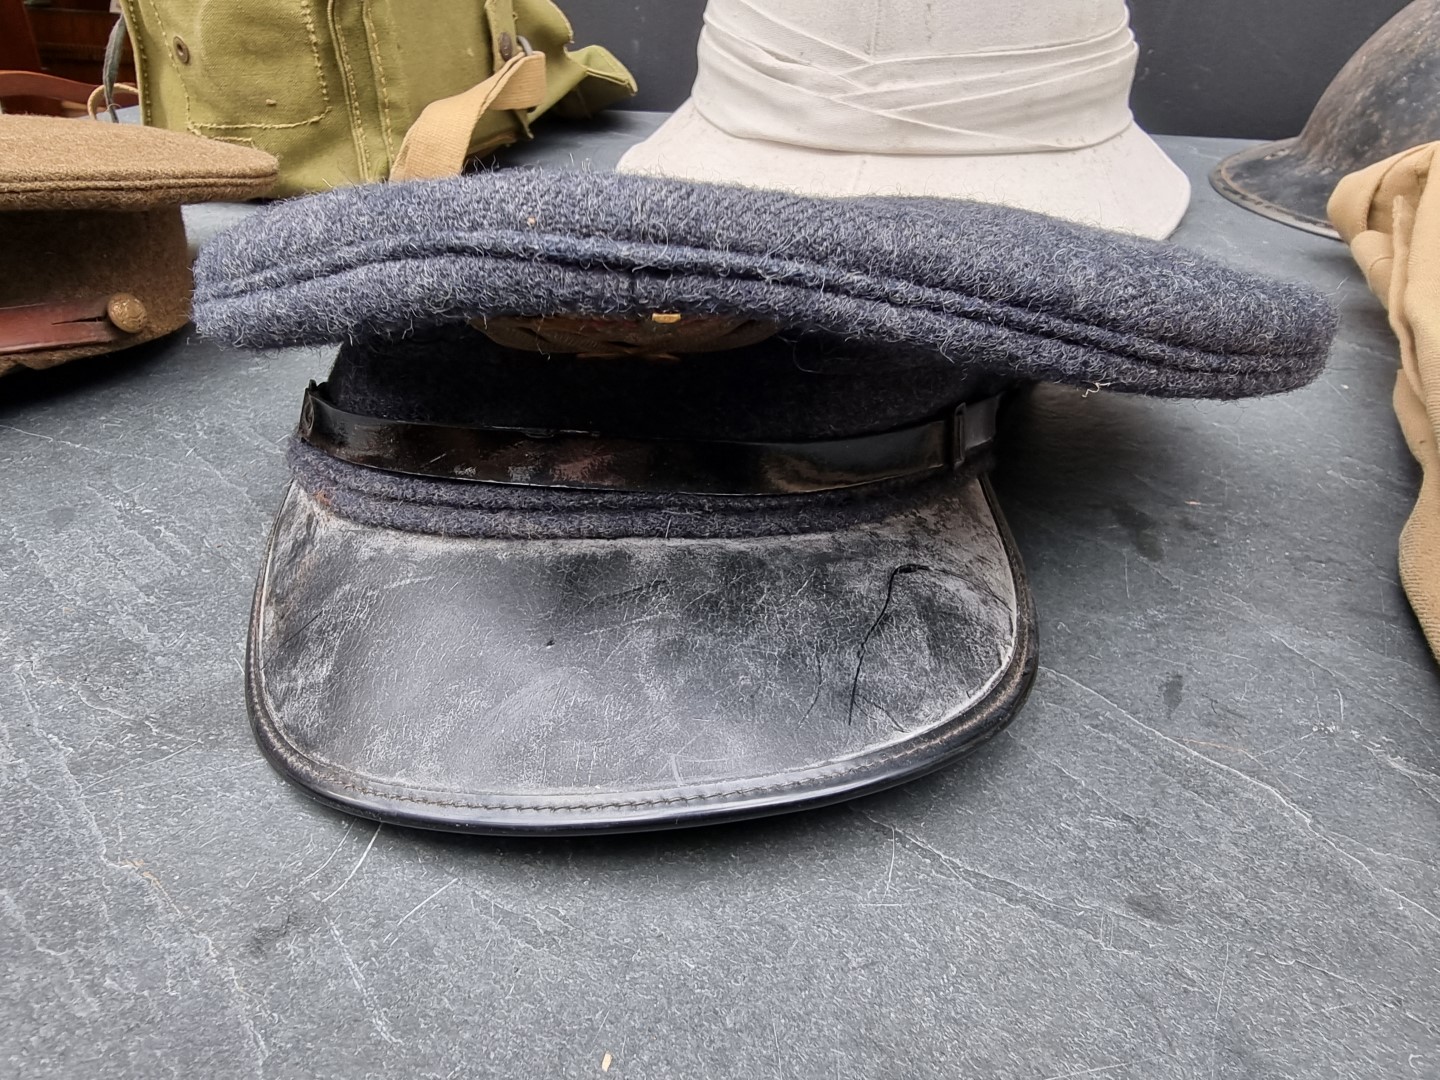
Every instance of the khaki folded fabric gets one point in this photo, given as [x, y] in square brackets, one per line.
[1391, 220]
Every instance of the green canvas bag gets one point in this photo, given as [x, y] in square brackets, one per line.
[333, 88]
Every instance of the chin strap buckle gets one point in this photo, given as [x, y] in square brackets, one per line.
[974, 425]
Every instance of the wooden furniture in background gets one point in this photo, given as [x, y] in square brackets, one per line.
[19, 53]
[52, 53]
[17, 42]
[71, 37]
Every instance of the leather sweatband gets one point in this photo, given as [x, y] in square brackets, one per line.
[587, 461]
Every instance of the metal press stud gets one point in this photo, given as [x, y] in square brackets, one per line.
[126, 313]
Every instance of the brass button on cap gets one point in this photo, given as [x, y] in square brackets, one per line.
[182, 51]
[127, 313]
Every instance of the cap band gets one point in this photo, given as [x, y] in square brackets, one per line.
[794, 81]
[586, 461]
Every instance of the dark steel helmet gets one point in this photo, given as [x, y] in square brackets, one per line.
[1384, 101]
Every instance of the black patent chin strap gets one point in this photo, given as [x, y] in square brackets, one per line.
[587, 461]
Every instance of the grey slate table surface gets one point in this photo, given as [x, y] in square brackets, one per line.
[1207, 848]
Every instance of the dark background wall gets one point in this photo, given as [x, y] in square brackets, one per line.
[1245, 68]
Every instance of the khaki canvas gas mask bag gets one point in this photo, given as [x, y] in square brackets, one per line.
[333, 88]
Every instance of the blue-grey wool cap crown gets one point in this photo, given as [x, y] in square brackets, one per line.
[1003, 291]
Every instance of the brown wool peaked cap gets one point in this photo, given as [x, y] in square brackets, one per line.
[93, 256]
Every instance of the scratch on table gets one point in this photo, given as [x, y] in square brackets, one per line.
[1306, 819]
[406, 917]
[339, 844]
[356, 868]
[1224, 975]
[372, 1010]
[1092, 1072]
